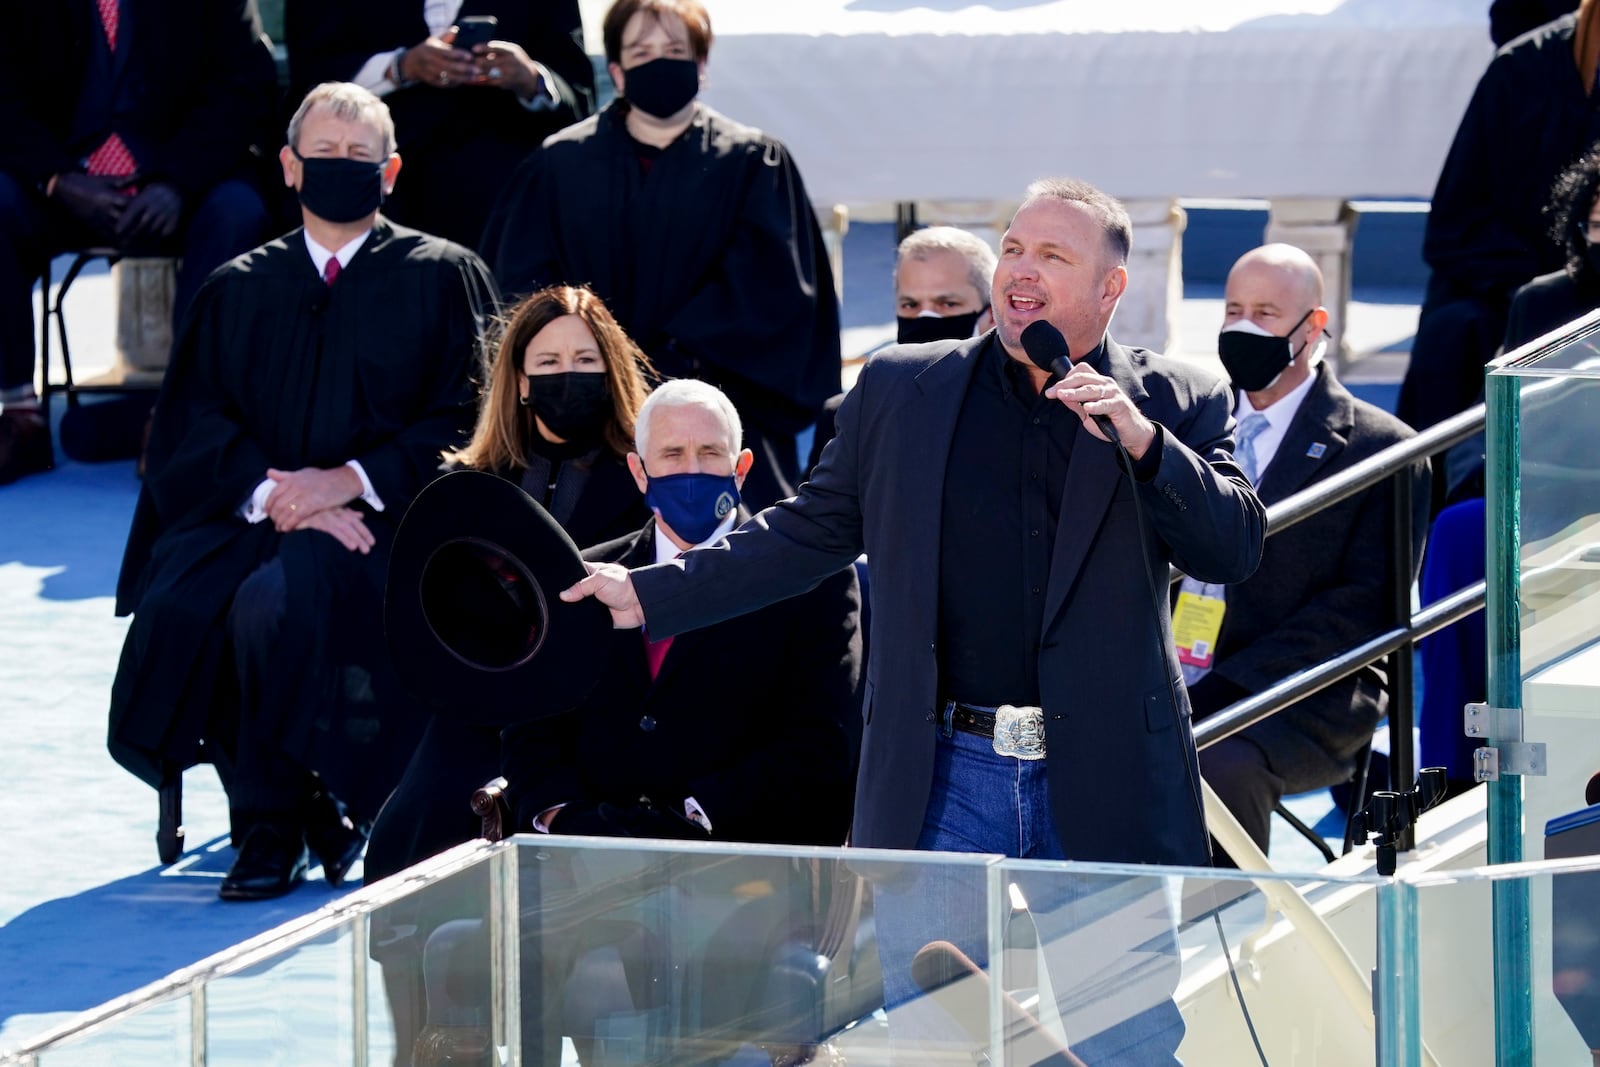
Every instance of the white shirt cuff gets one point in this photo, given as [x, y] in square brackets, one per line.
[696, 814]
[255, 509]
[374, 73]
[368, 494]
[545, 99]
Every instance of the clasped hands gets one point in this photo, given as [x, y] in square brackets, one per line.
[314, 499]
[437, 62]
[103, 203]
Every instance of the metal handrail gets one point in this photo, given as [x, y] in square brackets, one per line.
[1392, 465]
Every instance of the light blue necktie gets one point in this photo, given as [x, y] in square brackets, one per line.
[1251, 427]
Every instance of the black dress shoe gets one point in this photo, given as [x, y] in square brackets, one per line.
[333, 835]
[271, 862]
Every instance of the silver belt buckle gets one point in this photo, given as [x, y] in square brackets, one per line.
[1019, 732]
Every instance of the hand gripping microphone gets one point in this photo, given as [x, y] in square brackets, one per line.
[1049, 352]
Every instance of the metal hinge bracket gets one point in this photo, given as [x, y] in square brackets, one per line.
[1511, 755]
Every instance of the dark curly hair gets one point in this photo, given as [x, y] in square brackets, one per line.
[1571, 199]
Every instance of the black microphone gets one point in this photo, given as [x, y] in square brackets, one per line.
[959, 986]
[1049, 352]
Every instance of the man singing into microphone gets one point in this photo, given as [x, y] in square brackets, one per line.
[1007, 581]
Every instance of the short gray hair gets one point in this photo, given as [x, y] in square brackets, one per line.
[350, 102]
[687, 393]
[1106, 209]
[969, 246]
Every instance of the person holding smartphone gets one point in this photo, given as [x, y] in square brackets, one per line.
[473, 87]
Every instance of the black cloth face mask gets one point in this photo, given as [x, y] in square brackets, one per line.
[1255, 360]
[920, 328]
[663, 87]
[573, 405]
[339, 189]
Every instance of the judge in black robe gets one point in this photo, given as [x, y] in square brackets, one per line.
[275, 369]
[1532, 115]
[706, 250]
[461, 141]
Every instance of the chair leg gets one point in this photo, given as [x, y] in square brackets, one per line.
[169, 824]
[1305, 831]
[58, 310]
[44, 337]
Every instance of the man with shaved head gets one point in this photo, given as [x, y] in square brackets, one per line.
[1323, 585]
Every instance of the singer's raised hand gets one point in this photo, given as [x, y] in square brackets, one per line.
[611, 584]
[1087, 393]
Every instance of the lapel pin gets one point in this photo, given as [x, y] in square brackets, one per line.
[1316, 451]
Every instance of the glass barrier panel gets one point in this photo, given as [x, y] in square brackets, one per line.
[642, 952]
[1122, 965]
[447, 920]
[292, 1007]
[638, 953]
[1458, 977]
[155, 1034]
[1554, 473]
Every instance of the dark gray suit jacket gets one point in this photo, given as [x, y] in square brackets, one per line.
[1322, 587]
[1120, 790]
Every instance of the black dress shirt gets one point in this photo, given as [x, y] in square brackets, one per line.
[1002, 500]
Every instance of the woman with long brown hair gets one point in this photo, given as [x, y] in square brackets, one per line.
[557, 413]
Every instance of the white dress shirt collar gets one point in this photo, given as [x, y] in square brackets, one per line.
[320, 255]
[666, 551]
[1279, 415]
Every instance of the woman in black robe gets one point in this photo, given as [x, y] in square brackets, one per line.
[694, 229]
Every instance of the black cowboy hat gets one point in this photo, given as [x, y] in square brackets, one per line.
[472, 613]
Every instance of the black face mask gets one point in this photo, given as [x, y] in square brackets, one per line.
[1253, 362]
[573, 405]
[663, 87]
[339, 189]
[914, 331]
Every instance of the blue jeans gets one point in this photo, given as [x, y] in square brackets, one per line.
[1108, 943]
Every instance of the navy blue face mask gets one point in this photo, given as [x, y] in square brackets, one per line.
[694, 505]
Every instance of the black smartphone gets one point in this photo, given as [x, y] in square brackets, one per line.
[476, 30]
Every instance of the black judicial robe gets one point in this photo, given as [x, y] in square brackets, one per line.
[272, 368]
[713, 261]
[1528, 119]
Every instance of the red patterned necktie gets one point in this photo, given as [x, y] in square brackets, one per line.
[330, 270]
[112, 159]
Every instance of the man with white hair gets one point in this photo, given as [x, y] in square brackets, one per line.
[1323, 584]
[741, 731]
[941, 285]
